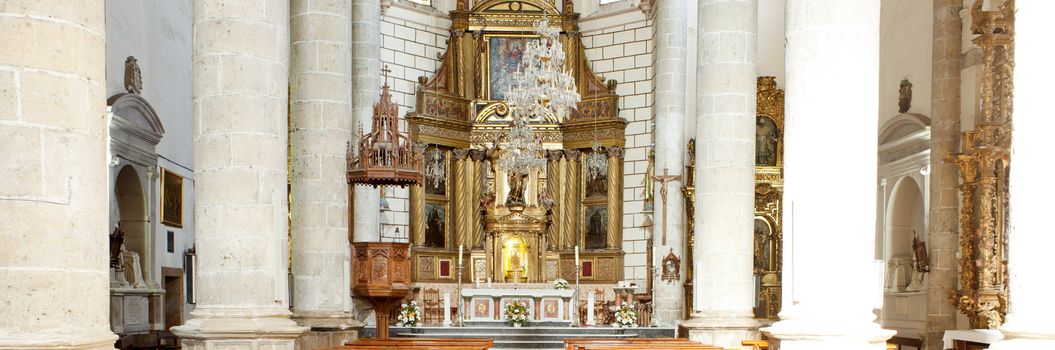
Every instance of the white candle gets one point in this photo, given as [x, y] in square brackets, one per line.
[576, 256]
[459, 255]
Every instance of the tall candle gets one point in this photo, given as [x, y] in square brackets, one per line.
[459, 255]
[576, 255]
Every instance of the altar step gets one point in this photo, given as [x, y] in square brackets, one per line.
[529, 337]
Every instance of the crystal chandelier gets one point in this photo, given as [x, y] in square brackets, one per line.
[435, 167]
[540, 86]
[596, 163]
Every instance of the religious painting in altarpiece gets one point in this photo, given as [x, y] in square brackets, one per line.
[461, 109]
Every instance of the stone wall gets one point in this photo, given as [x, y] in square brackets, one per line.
[619, 48]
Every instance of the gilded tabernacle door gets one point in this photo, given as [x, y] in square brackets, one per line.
[514, 227]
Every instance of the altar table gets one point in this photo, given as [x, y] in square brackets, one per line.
[488, 304]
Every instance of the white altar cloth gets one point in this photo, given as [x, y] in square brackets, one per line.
[488, 304]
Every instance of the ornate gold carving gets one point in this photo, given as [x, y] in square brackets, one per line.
[769, 184]
[982, 162]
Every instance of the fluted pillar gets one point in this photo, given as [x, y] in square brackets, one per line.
[241, 74]
[723, 287]
[554, 179]
[53, 197]
[615, 197]
[671, 40]
[320, 128]
[1030, 238]
[366, 90]
[830, 289]
[944, 133]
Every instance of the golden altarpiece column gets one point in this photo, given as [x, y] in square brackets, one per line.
[769, 192]
[984, 160]
[513, 228]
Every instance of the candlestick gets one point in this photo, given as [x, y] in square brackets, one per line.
[576, 255]
[460, 255]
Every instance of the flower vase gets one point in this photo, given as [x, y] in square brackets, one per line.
[516, 325]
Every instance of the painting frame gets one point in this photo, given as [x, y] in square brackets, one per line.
[171, 199]
[444, 217]
[489, 40]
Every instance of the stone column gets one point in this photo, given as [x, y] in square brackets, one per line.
[241, 75]
[615, 197]
[1030, 239]
[671, 40]
[725, 167]
[944, 133]
[554, 178]
[320, 128]
[53, 197]
[366, 89]
[830, 289]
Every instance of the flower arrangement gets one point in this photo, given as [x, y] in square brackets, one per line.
[516, 313]
[560, 283]
[409, 315]
[625, 316]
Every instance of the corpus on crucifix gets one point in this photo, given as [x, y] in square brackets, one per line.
[663, 180]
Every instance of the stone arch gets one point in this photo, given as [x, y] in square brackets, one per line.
[905, 214]
[132, 210]
[902, 125]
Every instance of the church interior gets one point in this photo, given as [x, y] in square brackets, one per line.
[525, 174]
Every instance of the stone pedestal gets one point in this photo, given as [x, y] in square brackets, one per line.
[53, 196]
[241, 71]
[1028, 324]
[725, 183]
[830, 289]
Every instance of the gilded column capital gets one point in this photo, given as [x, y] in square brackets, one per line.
[554, 155]
[460, 154]
[616, 152]
[477, 155]
[572, 155]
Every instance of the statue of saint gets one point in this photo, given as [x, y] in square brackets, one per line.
[765, 142]
[517, 182]
[130, 270]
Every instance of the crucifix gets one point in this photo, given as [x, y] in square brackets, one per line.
[663, 180]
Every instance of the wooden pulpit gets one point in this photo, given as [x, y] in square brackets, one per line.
[381, 274]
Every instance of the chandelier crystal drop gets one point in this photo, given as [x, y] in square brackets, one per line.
[435, 167]
[541, 86]
[596, 163]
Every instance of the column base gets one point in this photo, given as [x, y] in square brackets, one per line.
[246, 329]
[326, 330]
[727, 333]
[829, 333]
[42, 341]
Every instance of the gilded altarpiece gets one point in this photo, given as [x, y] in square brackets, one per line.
[769, 190]
[514, 228]
[984, 163]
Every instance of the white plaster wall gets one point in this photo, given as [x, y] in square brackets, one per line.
[771, 39]
[906, 38]
[412, 39]
[619, 48]
[158, 34]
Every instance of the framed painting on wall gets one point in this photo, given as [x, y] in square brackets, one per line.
[504, 54]
[171, 199]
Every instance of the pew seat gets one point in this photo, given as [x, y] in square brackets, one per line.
[756, 344]
[420, 344]
[634, 344]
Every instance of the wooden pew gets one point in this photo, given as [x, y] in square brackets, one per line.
[898, 342]
[756, 344]
[420, 344]
[634, 343]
